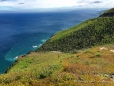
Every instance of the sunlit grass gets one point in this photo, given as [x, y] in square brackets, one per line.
[89, 67]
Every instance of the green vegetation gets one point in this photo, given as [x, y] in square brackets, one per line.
[93, 32]
[50, 65]
[90, 67]
[108, 13]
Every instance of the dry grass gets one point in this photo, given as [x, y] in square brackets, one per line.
[90, 67]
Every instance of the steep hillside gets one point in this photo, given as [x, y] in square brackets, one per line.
[108, 13]
[84, 67]
[92, 32]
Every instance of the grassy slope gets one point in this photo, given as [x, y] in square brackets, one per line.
[93, 32]
[90, 67]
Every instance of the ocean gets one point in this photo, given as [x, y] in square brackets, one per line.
[21, 33]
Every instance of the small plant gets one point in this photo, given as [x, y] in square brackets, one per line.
[98, 55]
[88, 51]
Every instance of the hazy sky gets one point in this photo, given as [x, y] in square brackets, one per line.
[38, 4]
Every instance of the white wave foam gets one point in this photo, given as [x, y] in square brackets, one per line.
[11, 59]
[34, 46]
[16, 57]
[37, 46]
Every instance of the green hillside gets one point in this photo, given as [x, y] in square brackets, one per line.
[80, 56]
[90, 67]
[108, 13]
[92, 32]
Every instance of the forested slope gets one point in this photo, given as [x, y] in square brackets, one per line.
[92, 32]
[108, 13]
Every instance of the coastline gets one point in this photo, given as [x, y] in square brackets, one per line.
[57, 26]
[16, 60]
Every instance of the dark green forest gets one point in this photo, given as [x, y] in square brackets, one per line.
[108, 13]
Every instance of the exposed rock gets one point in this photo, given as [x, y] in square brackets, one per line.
[112, 51]
[103, 48]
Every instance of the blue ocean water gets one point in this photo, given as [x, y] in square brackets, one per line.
[21, 33]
